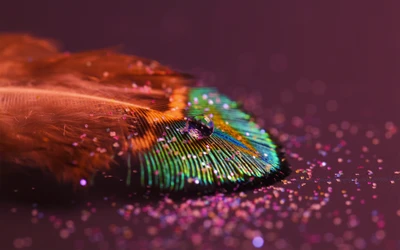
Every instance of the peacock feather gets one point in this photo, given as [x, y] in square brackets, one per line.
[95, 117]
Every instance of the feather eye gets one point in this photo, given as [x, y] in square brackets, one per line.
[111, 118]
[217, 144]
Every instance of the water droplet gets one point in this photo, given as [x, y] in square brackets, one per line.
[199, 127]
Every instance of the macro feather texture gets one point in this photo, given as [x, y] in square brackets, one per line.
[103, 115]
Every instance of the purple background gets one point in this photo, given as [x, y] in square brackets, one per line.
[260, 45]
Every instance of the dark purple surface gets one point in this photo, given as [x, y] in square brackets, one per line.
[284, 59]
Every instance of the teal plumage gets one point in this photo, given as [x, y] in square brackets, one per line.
[236, 151]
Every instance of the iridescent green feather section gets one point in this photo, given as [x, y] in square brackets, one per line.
[237, 151]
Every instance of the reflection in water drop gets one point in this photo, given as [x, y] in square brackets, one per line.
[199, 127]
